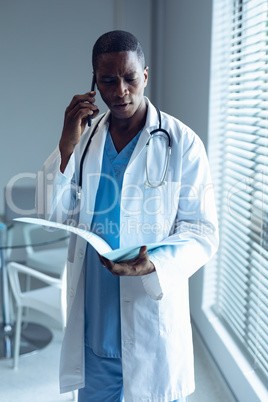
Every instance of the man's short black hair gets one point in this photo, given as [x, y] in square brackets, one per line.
[117, 41]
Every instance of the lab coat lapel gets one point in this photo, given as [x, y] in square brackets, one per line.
[92, 169]
[95, 151]
[140, 145]
[150, 124]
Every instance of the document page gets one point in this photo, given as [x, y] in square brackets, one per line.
[96, 241]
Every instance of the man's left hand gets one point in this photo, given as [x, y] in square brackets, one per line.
[140, 265]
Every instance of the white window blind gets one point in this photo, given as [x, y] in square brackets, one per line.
[238, 152]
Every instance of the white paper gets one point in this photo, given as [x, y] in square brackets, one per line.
[97, 242]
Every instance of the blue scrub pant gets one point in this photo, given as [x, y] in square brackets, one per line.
[104, 381]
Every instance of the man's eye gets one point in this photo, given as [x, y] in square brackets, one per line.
[107, 81]
[131, 79]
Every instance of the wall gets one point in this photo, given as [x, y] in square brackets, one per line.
[186, 58]
[46, 59]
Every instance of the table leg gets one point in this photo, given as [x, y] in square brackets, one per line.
[6, 327]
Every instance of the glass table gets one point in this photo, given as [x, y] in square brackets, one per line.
[12, 240]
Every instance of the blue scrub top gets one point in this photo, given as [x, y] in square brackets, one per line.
[102, 295]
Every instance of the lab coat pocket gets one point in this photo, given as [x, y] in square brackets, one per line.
[174, 309]
[139, 312]
[167, 316]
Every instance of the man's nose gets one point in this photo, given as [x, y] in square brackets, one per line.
[121, 88]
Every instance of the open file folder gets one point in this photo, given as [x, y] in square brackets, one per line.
[97, 242]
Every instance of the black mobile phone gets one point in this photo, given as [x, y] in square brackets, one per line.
[93, 84]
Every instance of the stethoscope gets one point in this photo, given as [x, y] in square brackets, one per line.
[153, 133]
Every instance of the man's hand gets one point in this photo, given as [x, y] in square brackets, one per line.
[75, 121]
[140, 265]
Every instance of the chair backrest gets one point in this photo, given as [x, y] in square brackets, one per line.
[49, 299]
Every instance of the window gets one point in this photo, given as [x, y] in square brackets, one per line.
[238, 152]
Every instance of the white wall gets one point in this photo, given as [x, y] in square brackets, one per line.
[45, 60]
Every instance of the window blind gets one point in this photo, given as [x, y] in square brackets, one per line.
[238, 153]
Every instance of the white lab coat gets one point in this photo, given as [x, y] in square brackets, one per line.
[157, 356]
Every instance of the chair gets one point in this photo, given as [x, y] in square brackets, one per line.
[50, 261]
[49, 299]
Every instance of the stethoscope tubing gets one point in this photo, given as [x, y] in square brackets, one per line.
[148, 183]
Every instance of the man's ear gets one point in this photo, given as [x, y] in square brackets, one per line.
[93, 83]
[145, 72]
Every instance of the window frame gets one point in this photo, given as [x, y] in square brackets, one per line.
[245, 384]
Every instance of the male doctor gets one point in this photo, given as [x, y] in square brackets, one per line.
[128, 334]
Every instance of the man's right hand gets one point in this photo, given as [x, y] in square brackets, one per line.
[75, 120]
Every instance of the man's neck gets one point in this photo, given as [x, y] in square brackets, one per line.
[124, 130]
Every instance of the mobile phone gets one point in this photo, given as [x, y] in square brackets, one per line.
[93, 83]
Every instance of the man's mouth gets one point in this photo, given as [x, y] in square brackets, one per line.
[122, 106]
